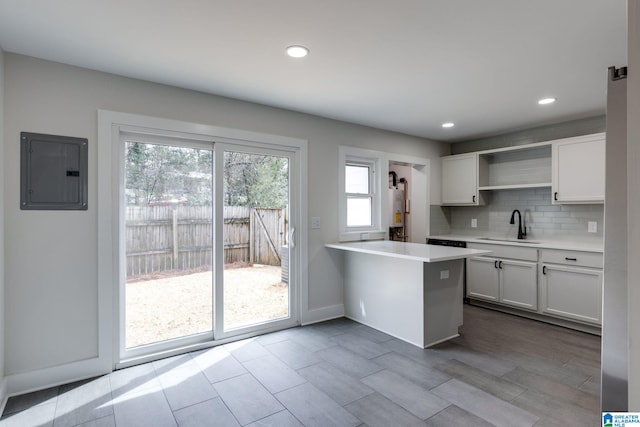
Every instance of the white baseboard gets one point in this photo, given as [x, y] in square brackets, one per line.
[322, 314]
[41, 379]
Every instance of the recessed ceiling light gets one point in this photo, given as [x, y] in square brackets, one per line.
[297, 51]
[448, 125]
[545, 101]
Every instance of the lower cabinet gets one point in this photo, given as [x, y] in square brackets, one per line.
[571, 292]
[505, 281]
[483, 280]
[552, 282]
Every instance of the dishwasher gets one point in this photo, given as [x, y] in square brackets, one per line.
[454, 244]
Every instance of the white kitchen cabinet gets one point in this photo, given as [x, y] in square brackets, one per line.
[506, 281]
[519, 284]
[460, 180]
[483, 280]
[578, 169]
[571, 285]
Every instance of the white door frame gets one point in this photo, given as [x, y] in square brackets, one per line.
[111, 247]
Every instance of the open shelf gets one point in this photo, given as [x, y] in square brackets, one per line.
[521, 167]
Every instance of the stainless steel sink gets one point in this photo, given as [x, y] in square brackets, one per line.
[495, 239]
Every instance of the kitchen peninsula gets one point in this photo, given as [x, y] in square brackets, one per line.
[411, 291]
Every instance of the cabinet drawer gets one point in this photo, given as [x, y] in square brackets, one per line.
[507, 251]
[583, 259]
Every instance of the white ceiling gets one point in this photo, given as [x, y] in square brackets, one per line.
[402, 65]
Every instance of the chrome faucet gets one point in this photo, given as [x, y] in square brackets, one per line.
[521, 234]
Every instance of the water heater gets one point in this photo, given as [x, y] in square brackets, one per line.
[396, 208]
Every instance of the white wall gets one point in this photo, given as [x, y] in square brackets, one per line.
[51, 263]
[2, 305]
[633, 202]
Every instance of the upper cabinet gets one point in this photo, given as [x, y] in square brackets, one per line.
[460, 180]
[578, 169]
[572, 167]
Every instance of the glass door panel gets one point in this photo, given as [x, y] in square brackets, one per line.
[168, 242]
[256, 239]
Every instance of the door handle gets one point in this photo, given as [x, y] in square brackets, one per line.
[292, 237]
[473, 199]
[495, 264]
[555, 196]
[544, 269]
[570, 259]
[500, 265]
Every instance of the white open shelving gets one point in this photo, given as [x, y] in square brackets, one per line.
[515, 167]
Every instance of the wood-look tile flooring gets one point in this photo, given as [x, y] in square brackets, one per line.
[503, 371]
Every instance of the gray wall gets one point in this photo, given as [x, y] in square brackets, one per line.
[2, 242]
[633, 203]
[51, 261]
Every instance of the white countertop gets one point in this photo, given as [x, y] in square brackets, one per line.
[412, 251]
[586, 246]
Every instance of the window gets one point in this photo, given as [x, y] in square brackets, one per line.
[358, 185]
[363, 205]
[359, 203]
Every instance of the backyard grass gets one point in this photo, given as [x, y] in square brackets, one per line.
[170, 306]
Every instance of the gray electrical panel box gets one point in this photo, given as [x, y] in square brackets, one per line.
[53, 172]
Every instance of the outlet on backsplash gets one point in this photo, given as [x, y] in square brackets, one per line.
[592, 226]
[474, 223]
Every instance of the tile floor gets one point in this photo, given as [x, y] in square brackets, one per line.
[503, 371]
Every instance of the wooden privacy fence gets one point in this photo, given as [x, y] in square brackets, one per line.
[165, 238]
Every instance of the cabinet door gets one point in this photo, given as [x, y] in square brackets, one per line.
[460, 180]
[519, 283]
[572, 292]
[482, 278]
[578, 170]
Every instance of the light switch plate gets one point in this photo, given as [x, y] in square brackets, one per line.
[474, 223]
[592, 226]
[315, 223]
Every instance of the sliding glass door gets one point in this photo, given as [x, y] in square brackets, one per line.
[168, 236]
[254, 288]
[208, 239]
[256, 239]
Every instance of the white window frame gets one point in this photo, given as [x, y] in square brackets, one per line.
[371, 195]
[378, 168]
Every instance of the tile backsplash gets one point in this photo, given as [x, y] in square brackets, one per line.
[440, 220]
[544, 221]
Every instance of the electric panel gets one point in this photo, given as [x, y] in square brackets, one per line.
[53, 172]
